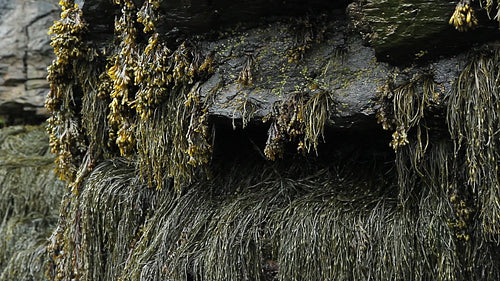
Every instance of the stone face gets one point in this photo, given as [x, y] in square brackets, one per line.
[339, 64]
[262, 36]
[187, 17]
[409, 30]
[25, 53]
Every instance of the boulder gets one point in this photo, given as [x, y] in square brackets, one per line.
[405, 31]
[349, 51]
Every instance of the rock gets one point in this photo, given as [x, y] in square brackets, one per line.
[339, 65]
[334, 59]
[417, 30]
[25, 53]
[338, 62]
[185, 18]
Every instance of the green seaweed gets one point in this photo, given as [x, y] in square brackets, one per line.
[29, 195]
[145, 199]
[315, 221]
[472, 118]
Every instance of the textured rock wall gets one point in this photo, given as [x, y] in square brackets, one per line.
[25, 53]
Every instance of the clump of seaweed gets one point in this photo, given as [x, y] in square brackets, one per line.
[29, 191]
[154, 79]
[113, 215]
[168, 95]
[148, 15]
[138, 82]
[247, 109]
[288, 120]
[489, 7]
[463, 18]
[385, 109]
[245, 78]
[66, 139]
[174, 140]
[317, 112]
[298, 118]
[275, 146]
[409, 102]
[307, 31]
[199, 150]
[153, 72]
[430, 185]
[121, 73]
[139, 86]
[94, 112]
[473, 122]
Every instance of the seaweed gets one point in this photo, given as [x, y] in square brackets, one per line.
[29, 190]
[245, 77]
[174, 140]
[120, 117]
[317, 112]
[488, 5]
[463, 18]
[97, 111]
[280, 222]
[66, 137]
[247, 109]
[306, 30]
[298, 118]
[409, 102]
[146, 199]
[473, 123]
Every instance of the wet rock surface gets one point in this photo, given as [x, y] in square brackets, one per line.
[349, 51]
[417, 30]
[184, 18]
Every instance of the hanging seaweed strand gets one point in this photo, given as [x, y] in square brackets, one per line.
[172, 128]
[473, 120]
[66, 139]
[121, 73]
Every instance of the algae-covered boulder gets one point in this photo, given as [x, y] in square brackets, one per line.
[272, 140]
